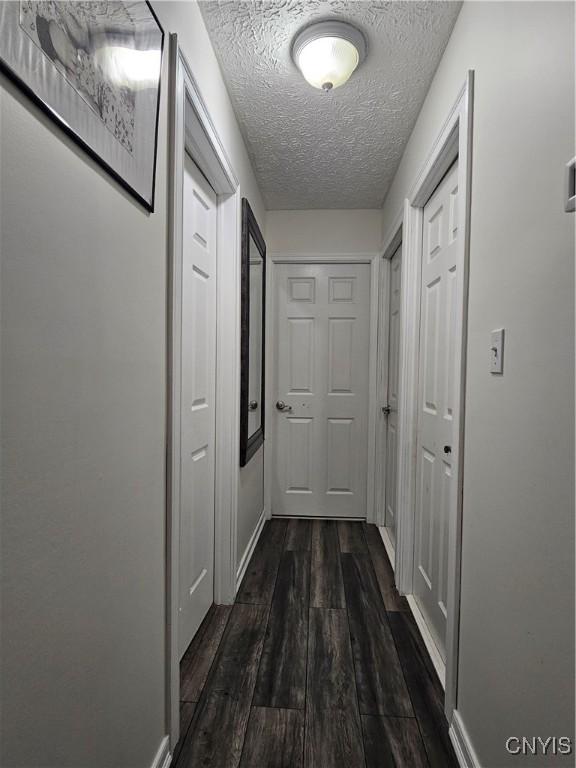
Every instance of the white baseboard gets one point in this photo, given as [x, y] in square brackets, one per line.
[437, 660]
[163, 757]
[461, 742]
[250, 549]
[388, 546]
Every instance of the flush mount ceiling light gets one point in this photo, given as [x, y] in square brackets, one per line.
[328, 52]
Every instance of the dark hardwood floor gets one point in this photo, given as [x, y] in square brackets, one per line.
[319, 664]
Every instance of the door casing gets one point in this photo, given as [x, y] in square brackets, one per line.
[192, 130]
[389, 248]
[453, 141]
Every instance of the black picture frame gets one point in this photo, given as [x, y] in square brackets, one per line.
[249, 444]
[79, 141]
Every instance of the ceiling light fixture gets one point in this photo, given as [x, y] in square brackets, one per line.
[328, 52]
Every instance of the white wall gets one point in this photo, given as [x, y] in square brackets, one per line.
[324, 231]
[83, 335]
[517, 622]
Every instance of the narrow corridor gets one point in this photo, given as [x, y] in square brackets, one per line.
[318, 664]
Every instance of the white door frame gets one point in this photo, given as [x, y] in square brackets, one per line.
[389, 248]
[454, 141]
[192, 130]
[274, 259]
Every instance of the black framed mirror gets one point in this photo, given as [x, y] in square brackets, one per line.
[253, 312]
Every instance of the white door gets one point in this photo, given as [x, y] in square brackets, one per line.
[197, 404]
[436, 385]
[323, 342]
[393, 379]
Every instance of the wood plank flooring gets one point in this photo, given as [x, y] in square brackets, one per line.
[319, 664]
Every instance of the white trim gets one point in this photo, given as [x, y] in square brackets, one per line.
[192, 130]
[174, 290]
[269, 383]
[431, 647]
[389, 247]
[227, 460]
[287, 257]
[202, 138]
[460, 362]
[393, 240]
[388, 546]
[163, 757]
[382, 393]
[453, 141]
[460, 739]
[374, 411]
[408, 396]
[250, 549]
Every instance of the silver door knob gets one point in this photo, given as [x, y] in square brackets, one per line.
[252, 405]
[281, 406]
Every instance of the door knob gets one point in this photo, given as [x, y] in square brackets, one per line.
[252, 405]
[447, 449]
[281, 406]
[386, 410]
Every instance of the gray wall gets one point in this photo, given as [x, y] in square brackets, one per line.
[517, 622]
[324, 231]
[250, 502]
[83, 342]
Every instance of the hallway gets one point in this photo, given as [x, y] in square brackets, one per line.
[318, 664]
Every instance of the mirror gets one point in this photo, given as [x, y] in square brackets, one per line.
[252, 343]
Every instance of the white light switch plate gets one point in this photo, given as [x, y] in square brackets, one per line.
[497, 351]
[570, 186]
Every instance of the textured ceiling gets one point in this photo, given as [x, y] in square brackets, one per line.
[327, 150]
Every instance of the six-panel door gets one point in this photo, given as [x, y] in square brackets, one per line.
[198, 409]
[322, 358]
[435, 471]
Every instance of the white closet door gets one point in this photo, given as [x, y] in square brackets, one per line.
[393, 379]
[323, 341]
[437, 377]
[198, 412]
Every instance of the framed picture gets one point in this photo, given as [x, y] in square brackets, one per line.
[95, 68]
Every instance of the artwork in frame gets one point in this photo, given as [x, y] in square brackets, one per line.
[95, 68]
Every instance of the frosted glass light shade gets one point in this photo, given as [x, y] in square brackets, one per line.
[327, 53]
[328, 62]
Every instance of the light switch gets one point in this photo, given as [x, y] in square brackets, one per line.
[497, 351]
[570, 186]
